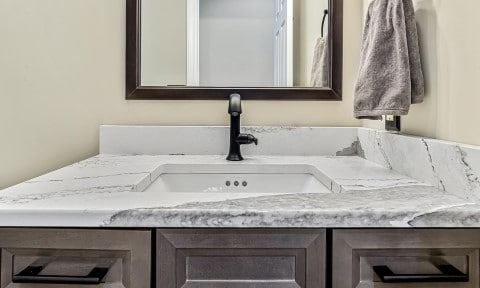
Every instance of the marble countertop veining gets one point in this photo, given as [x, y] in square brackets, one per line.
[105, 191]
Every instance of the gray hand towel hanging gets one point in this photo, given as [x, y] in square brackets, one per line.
[319, 74]
[390, 77]
[320, 64]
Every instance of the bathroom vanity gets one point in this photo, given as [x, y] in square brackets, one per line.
[239, 257]
[154, 211]
[162, 207]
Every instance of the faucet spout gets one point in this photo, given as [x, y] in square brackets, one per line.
[236, 138]
[247, 139]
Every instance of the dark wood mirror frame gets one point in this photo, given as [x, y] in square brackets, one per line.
[134, 90]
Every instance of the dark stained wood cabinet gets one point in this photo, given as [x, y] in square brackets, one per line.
[261, 258]
[241, 258]
[405, 252]
[69, 253]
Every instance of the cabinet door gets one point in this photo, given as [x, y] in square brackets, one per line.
[214, 258]
[68, 258]
[409, 258]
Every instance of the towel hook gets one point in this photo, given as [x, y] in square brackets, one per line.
[325, 13]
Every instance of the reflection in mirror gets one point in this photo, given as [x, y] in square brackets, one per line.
[234, 43]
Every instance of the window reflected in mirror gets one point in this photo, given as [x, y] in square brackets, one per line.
[234, 43]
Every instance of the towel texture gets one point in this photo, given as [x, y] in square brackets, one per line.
[319, 76]
[390, 76]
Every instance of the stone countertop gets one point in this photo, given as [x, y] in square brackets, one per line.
[105, 191]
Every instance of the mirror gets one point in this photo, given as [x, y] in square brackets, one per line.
[262, 49]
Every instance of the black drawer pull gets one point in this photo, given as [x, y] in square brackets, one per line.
[30, 275]
[450, 274]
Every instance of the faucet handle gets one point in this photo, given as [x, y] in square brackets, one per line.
[247, 139]
[235, 105]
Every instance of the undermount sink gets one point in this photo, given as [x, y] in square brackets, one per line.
[238, 178]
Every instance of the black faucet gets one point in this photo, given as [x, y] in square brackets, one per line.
[236, 138]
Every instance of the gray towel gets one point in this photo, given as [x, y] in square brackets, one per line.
[319, 75]
[390, 76]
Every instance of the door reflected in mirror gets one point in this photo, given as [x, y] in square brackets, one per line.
[234, 43]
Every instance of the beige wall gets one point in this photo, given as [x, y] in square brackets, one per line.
[451, 58]
[62, 75]
[164, 42]
[308, 15]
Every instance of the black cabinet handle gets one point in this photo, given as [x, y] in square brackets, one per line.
[450, 274]
[30, 275]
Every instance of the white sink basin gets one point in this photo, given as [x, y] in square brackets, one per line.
[238, 178]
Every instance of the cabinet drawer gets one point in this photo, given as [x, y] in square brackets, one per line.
[405, 258]
[74, 258]
[198, 258]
